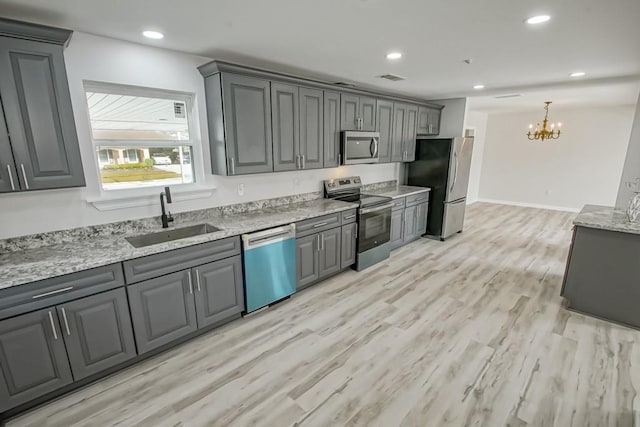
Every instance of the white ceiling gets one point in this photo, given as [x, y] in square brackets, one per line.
[346, 40]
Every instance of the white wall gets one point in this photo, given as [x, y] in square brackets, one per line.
[478, 122]
[631, 170]
[582, 167]
[102, 59]
[453, 117]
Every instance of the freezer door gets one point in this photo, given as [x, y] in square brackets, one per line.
[460, 165]
[453, 217]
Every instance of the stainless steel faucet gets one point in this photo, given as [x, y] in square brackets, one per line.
[166, 218]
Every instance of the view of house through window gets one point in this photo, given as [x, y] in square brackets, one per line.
[140, 141]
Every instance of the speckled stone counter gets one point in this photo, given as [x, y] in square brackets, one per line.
[397, 191]
[69, 255]
[605, 218]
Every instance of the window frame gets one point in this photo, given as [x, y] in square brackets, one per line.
[194, 141]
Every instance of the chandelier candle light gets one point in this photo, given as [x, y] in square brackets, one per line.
[544, 133]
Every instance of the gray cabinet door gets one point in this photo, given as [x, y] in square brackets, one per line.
[397, 223]
[331, 129]
[421, 218]
[8, 173]
[368, 113]
[410, 224]
[348, 245]
[97, 332]
[384, 125]
[285, 124]
[434, 121]
[349, 112]
[162, 310]
[409, 132]
[398, 153]
[247, 122]
[219, 290]
[311, 128]
[37, 107]
[329, 255]
[33, 360]
[307, 270]
[423, 120]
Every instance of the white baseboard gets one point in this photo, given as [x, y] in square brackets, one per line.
[527, 205]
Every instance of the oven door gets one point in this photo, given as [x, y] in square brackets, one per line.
[374, 226]
[360, 147]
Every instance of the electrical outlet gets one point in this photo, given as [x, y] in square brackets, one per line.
[547, 192]
[240, 189]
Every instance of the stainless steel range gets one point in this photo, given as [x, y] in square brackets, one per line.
[374, 219]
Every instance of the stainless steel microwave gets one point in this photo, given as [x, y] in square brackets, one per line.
[360, 147]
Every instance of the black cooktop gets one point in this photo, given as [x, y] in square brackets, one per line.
[349, 190]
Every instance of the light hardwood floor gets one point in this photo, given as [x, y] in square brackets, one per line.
[467, 332]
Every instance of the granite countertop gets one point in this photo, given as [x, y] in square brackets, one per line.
[397, 191]
[606, 218]
[30, 265]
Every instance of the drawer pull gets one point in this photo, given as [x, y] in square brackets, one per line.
[320, 224]
[57, 291]
[350, 216]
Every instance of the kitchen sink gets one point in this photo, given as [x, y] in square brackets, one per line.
[170, 235]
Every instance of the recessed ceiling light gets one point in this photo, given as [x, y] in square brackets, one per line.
[156, 35]
[539, 19]
[394, 55]
[478, 87]
[577, 74]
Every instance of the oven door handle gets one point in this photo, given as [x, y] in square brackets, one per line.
[375, 209]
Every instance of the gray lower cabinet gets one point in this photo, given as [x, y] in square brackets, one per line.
[307, 267]
[247, 123]
[39, 117]
[397, 229]
[384, 125]
[285, 124]
[331, 131]
[311, 128]
[219, 292]
[414, 222]
[97, 332]
[33, 359]
[329, 259]
[348, 245]
[421, 220]
[162, 309]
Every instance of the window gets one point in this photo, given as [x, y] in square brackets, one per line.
[142, 137]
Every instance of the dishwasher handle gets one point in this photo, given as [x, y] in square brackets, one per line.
[268, 236]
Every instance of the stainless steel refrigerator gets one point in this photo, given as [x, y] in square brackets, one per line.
[443, 165]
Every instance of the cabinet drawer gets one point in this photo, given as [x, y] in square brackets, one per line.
[313, 225]
[398, 204]
[168, 262]
[45, 293]
[416, 199]
[349, 216]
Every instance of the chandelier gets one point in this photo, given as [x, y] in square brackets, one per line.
[544, 133]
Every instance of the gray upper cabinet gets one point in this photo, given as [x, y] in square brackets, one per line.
[8, 173]
[219, 291]
[329, 256]
[307, 268]
[39, 117]
[97, 332]
[348, 245]
[428, 121]
[285, 124]
[398, 152]
[397, 222]
[247, 123]
[384, 125]
[162, 310]
[312, 128]
[357, 112]
[33, 360]
[409, 132]
[331, 129]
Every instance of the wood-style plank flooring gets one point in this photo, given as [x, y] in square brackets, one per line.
[467, 332]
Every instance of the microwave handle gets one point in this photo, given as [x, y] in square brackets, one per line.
[374, 152]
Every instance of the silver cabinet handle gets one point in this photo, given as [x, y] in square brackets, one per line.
[57, 291]
[339, 159]
[198, 280]
[318, 244]
[53, 326]
[303, 162]
[322, 246]
[24, 175]
[66, 322]
[320, 224]
[232, 162]
[349, 216]
[297, 161]
[13, 186]
[190, 284]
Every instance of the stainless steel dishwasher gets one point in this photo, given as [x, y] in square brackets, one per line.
[269, 266]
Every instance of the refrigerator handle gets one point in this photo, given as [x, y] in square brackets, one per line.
[455, 174]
